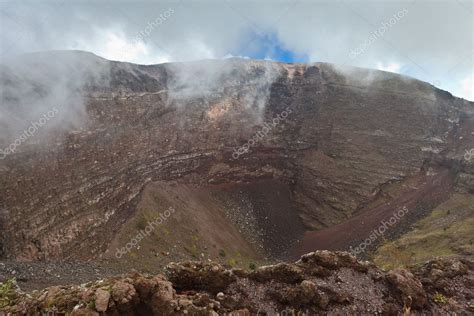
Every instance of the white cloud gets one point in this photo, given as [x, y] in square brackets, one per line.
[467, 88]
[227, 56]
[118, 48]
[197, 49]
[391, 67]
[114, 45]
[428, 43]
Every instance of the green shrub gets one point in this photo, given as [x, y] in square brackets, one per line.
[233, 262]
[440, 298]
[7, 292]
[141, 223]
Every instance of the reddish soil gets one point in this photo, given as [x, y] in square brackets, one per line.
[420, 196]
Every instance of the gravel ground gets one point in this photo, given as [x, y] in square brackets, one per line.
[38, 275]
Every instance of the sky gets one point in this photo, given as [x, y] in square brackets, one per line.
[429, 40]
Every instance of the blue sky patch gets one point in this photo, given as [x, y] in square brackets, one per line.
[267, 45]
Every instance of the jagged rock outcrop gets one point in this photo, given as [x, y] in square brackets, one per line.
[323, 282]
[347, 132]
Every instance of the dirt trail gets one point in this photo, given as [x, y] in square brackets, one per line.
[427, 192]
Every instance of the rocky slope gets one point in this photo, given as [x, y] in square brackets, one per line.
[329, 140]
[320, 283]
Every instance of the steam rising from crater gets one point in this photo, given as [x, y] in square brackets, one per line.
[35, 84]
[207, 81]
[377, 80]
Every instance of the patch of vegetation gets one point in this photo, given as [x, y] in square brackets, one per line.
[222, 253]
[91, 305]
[440, 298]
[252, 266]
[447, 231]
[193, 250]
[470, 305]
[141, 223]
[7, 292]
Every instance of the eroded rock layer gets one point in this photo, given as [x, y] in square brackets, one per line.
[346, 132]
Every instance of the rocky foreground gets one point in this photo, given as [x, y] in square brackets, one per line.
[322, 282]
